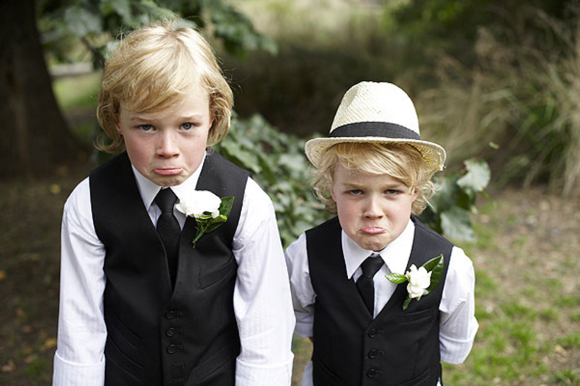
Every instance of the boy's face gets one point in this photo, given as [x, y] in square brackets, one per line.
[373, 210]
[167, 146]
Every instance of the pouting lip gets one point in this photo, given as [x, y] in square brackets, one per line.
[372, 230]
[168, 171]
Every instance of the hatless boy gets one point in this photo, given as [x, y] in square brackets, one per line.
[149, 296]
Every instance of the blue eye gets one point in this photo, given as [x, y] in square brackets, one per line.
[187, 126]
[146, 127]
[356, 192]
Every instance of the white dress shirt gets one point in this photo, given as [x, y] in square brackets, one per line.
[458, 324]
[262, 302]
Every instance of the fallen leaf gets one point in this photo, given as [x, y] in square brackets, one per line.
[49, 343]
[9, 367]
[55, 189]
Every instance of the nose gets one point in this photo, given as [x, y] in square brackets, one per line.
[167, 145]
[373, 208]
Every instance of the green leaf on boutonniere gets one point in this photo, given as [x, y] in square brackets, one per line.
[422, 280]
[435, 266]
[225, 209]
[205, 222]
[396, 278]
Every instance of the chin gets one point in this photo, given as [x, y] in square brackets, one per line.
[372, 245]
[168, 181]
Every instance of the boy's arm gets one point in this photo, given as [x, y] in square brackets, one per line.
[79, 358]
[458, 324]
[262, 302]
[303, 295]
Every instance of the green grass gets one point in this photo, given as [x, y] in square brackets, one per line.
[529, 323]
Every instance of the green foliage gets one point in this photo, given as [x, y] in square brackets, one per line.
[450, 208]
[512, 82]
[96, 22]
[277, 162]
[453, 25]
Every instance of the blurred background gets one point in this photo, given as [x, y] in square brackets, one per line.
[497, 83]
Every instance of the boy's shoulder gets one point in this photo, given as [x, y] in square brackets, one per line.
[426, 231]
[328, 225]
[113, 163]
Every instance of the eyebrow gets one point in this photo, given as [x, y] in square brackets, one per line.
[394, 185]
[138, 117]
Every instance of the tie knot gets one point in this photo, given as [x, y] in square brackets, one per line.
[371, 266]
[166, 199]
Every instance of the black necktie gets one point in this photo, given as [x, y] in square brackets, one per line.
[168, 228]
[365, 283]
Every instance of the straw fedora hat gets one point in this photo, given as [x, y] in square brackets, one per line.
[379, 113]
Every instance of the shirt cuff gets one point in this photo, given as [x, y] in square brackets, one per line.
[251, 375]
[303, 329]
[456, 351]
[74, 374]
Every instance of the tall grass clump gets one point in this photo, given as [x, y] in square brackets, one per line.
[522, 98]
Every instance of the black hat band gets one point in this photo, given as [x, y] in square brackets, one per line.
[374, 129]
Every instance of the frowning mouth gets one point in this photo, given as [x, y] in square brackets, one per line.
[168, 171]
[372, 230]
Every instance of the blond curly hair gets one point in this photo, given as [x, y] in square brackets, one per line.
[400, 161]
[156, 67]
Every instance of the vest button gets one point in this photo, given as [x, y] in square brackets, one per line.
[372, 353]
[372, 333]
[172, 314]
[172, 331]
[173, 348]
[372, 373]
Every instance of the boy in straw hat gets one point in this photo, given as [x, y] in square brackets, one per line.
[375, 172]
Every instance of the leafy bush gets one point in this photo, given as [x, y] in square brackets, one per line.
[522, 95]
[278, 164]
[450, 208]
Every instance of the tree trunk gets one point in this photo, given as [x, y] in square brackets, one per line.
[34, 136]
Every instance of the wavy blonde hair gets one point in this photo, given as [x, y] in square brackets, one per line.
[400, 161]
[156, 67]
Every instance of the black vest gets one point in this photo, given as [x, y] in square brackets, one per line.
[157, 335]
[350, 347]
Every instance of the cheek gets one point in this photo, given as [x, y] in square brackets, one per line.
[348, 213]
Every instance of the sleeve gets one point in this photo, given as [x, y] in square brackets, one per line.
[79, 358]
[458, 325]
[262, 302]
[303, 296]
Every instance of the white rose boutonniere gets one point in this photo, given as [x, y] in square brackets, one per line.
[208, 210]
[422, 280]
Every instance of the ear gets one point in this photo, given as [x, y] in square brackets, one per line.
[415, 193]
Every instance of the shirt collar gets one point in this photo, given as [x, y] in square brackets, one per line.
[395, 255]
[148, 189]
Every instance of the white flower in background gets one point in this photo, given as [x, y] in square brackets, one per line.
[419, 281]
